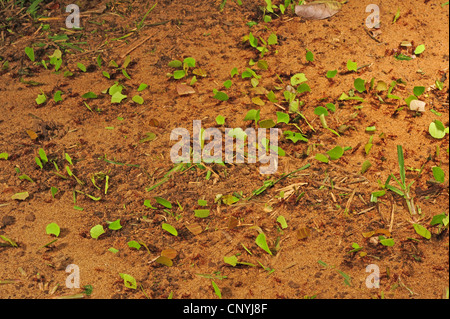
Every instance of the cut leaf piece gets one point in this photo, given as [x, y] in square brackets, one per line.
[150, 136]
[184, 89]
[417, 105]
[322, 158]
[117, 97]
[89, 95]
[169, 253]
[282, 221]
[138, 99]
[318, 10]
[266, 123]
[360, 85]
[336, 153]
[179, 74]
[163, 202]
[129, 281]
[298, 78]
[201, 213]
[41, 98]
[422, 231]
[438, 174]
[437, 129]
[219, 95]
[283, 117]
[81, 66]
[169, 228]
[294, 136]
[142, 87]
[32, 134]
[96, 231]
[20, 196]
[303, 233]
[134, 244]
[115, 225]
[164, 261]
[232, 260]
[365, 166]
[377, 231]
[331, 74]
[352, 66]
[175, 64]
[194, 228]
[262, 243]
[53, 229]
[258, 101]
[419, 49]
[30, 53]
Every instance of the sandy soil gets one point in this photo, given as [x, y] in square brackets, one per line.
[327, 206]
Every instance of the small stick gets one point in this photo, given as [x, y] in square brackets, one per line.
[349, 202]
[373, 38]
[281, 107]
[136, 46]
[392, 217]
[366, 210]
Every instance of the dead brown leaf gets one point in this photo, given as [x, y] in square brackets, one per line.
[184, 89]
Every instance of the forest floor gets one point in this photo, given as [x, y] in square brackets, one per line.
[87, 179]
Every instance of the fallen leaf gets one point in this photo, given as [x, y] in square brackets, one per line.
[153, 122]
[417, 105]
[184, 89]
[164, 261]
[199, 72]
[20, 196]
[377, 231]
[318, 10]
[150, 137]
[169, 253]
[32, 134]
[232, 222]
[232, 260]
[303, 233]
[194, 228]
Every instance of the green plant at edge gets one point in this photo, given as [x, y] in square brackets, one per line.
[404, 190]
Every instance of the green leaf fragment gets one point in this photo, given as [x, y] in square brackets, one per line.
[129, 281]
[138, 99]
[115, 225]
[282, 221]
[422, 231]
[30, 53]
[335, 153]
[163, 202]
[117, 97]
[419, 49]
[81, 66]
[438, 174]
[352, 66]
[96, 231]
[262, 243]
[322, 158]
[201, 213]
[169, 228]
[53, 229]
